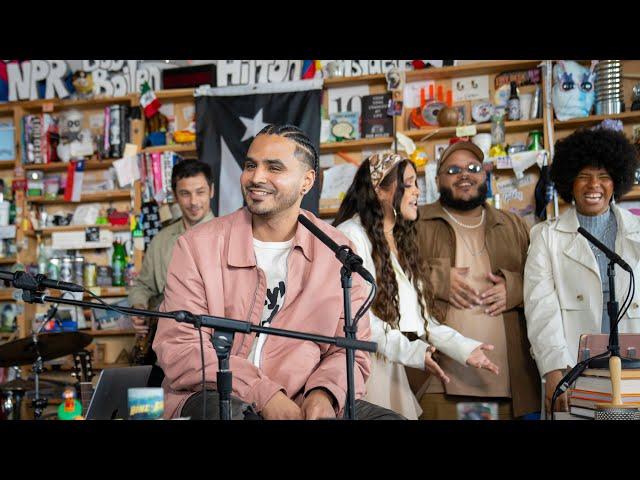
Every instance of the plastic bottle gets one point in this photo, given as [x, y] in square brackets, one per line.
[118, 264]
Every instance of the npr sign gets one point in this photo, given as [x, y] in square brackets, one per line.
[110, 78]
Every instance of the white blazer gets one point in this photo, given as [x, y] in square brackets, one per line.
[395, 346]
[562, 288]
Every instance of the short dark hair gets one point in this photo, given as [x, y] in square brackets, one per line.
[304, 148]
[600, 148]
[190, 168]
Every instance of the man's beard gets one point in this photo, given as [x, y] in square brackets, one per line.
[280, 204]
[447, 199]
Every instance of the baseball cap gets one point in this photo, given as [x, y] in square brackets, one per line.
[468, 146]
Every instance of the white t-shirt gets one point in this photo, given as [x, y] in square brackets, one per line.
[271, 258]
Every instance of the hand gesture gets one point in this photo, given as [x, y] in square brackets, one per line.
[478, 359]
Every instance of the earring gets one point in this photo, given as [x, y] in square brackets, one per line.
[573, 202]
[395, 214]
[613, 200]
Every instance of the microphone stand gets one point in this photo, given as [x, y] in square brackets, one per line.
[40, 404]
[603, 360]
[614, 340]
[221, 338]
[350, 263]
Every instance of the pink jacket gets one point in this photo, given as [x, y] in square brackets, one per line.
[213, 271]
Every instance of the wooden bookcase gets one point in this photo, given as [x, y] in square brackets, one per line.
[182, 101]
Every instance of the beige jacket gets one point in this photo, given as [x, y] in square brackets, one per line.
[150, 283]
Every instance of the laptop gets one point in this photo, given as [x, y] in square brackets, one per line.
[110, 400]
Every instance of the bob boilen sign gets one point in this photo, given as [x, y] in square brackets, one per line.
[111, 78]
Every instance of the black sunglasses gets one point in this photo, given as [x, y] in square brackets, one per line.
[471, 168]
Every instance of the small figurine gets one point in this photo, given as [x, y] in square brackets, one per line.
[83, 83]
[71, 408]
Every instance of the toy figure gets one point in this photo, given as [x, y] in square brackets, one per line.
[573, 93]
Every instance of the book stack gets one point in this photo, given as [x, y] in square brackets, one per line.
[594, 386]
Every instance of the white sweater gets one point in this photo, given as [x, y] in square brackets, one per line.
[395, 346]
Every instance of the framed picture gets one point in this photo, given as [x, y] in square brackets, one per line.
[438, 149]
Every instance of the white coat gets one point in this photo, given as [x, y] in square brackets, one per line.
[562, 289]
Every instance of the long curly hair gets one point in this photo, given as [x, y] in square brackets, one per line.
[361, 199]
[600, 148]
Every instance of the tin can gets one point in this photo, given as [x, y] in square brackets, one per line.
[90, 275]
[66, 269]
[104, 276]
[78, 270]
[53, 269]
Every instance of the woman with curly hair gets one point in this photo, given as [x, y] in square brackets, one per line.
[566, 287]
[378, 215]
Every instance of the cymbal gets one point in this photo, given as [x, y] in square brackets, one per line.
[51, 345]
[22, 385]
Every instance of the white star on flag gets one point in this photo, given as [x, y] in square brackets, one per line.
[253, 125]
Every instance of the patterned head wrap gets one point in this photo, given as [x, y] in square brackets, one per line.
[381, 164]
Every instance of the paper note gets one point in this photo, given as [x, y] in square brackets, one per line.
[127, 170]
[130, 150]
[337, 180]
[470, 88]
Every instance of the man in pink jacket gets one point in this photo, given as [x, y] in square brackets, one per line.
[258, 265]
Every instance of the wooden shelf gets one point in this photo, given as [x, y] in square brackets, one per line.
[337, 81]
[109, 333]
[178, 147]
[6, 294]
[5, 335]
[328, 212]
[104, 366]
[62, 166]
[175, 93]
[8, 260]
[593, 119]
[76, 228]
[105, 292]
[109, 292]
[110, 196]
[470, 69]
[634, 194]
[447, 132]
[350, 145]
[7, 164]
[37, 105]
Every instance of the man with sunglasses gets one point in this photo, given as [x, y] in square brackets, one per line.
[475, 256]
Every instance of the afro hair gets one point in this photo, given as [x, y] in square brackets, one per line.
[601, 148]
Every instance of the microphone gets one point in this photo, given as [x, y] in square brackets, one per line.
[26, 281]
[613, 256]
[343, 253]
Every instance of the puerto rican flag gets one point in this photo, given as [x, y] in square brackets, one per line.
[228, 119]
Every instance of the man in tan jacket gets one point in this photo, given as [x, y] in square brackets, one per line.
[476, 255]
[192, 185]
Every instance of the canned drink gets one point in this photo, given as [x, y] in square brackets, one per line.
[78, 268]
[66, 269]
[104, 276]
[90, 275]
[53, 269]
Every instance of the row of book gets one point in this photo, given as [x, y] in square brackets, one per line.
[155, 175]
[594, 386]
